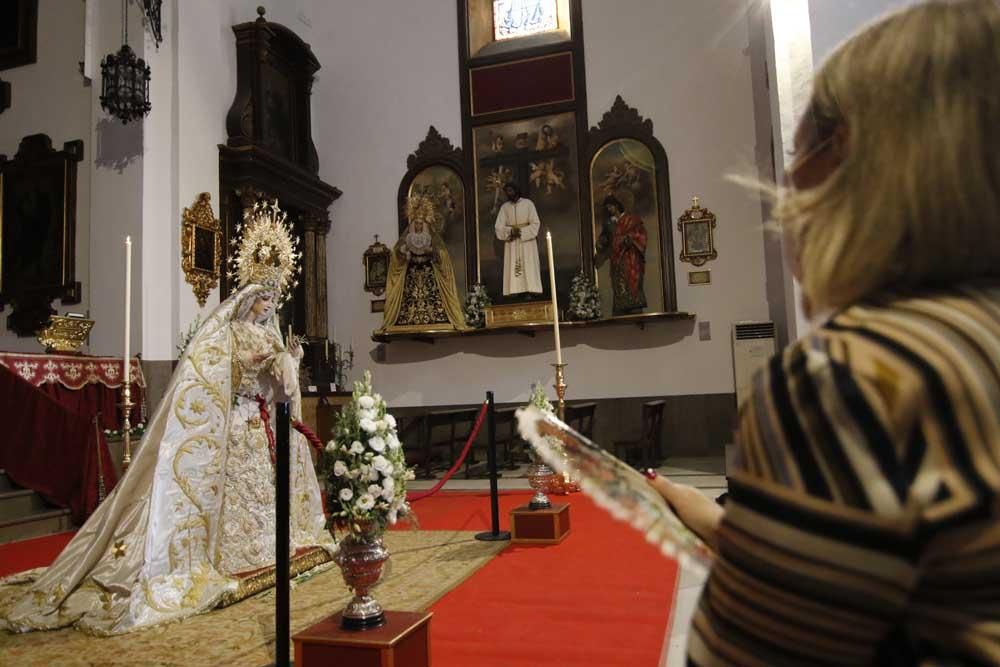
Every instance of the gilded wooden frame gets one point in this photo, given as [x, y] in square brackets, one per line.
[376, 263]
[697, 228]
[201, 247]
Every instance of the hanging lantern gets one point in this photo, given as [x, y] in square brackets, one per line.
[125, 80]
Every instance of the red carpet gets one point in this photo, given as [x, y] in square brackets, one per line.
[601, 597]
[36, 552]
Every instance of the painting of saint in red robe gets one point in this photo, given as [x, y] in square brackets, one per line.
[623, 244]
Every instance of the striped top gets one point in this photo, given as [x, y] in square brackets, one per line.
[861, 524]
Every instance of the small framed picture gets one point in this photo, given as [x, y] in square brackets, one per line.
[697, 228]
[376, 263]
[378, 305]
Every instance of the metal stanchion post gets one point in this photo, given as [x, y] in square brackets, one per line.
[281, 469]
[495, 534]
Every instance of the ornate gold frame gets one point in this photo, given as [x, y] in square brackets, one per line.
[200, 216]
[377, 253]
[696, 216]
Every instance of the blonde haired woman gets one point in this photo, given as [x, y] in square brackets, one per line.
[862, 526]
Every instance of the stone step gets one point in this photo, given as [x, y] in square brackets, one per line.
[21, 502]
[38, 524]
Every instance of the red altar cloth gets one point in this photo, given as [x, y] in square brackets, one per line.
[86, 385]
[51, 443]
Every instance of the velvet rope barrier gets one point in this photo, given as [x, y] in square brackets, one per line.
[265, 417]
[311, 437]
[458, 464]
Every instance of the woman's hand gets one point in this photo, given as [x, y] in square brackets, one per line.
[698, 512]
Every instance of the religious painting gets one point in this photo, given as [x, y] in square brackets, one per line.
[697, 225]
[376, 263]
[37, 230]
[626, 228]
[443, 186]
[527, 184]
[18, 33]
[201, 247]
[629, 192]
[495, 27]
[276, 111]
[520, 18]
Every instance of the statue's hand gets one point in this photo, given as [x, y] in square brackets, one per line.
[515, 234]
[286, 372]
[294, 347]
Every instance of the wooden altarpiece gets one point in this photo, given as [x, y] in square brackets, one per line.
[270, 154]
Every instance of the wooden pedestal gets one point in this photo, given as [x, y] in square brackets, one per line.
[404, 641]
[548, 526]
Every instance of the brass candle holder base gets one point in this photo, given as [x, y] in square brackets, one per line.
[562, 484]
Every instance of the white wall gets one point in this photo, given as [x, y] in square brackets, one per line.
[49, 97]
[116, 178]
[833, 21]
[683, 64]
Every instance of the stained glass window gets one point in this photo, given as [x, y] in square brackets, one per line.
[517, 18]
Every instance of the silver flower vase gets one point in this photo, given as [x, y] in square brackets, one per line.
[361, 558]
[540, 479]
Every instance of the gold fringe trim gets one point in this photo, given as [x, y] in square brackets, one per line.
[264, 579]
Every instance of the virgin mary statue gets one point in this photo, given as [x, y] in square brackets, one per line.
[194, 513]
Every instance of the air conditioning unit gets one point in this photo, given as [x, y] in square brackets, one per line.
[753, 345]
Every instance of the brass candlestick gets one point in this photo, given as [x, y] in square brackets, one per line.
[127, 413]
[560, 387]
[566, 485]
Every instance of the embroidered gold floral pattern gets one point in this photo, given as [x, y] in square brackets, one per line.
[118, 551]
[421, 297]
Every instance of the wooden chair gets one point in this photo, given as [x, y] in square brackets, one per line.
[581, 418]
[648, 444]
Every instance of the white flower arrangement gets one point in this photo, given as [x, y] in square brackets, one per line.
[364, 465]
[475, 302]
[584, 299]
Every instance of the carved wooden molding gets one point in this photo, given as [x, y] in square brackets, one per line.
[201, 247]
[434, 148]
[623, 119]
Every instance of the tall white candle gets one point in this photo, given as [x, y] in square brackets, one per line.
[128, 310]
[555, 303]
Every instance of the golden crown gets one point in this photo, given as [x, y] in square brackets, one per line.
[421, 208]
[267, 252]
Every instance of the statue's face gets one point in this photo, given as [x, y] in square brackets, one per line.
[511, 193]
[263, 305]
[418, 226]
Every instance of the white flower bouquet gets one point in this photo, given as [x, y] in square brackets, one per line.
[476, 301]
[364, 465]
